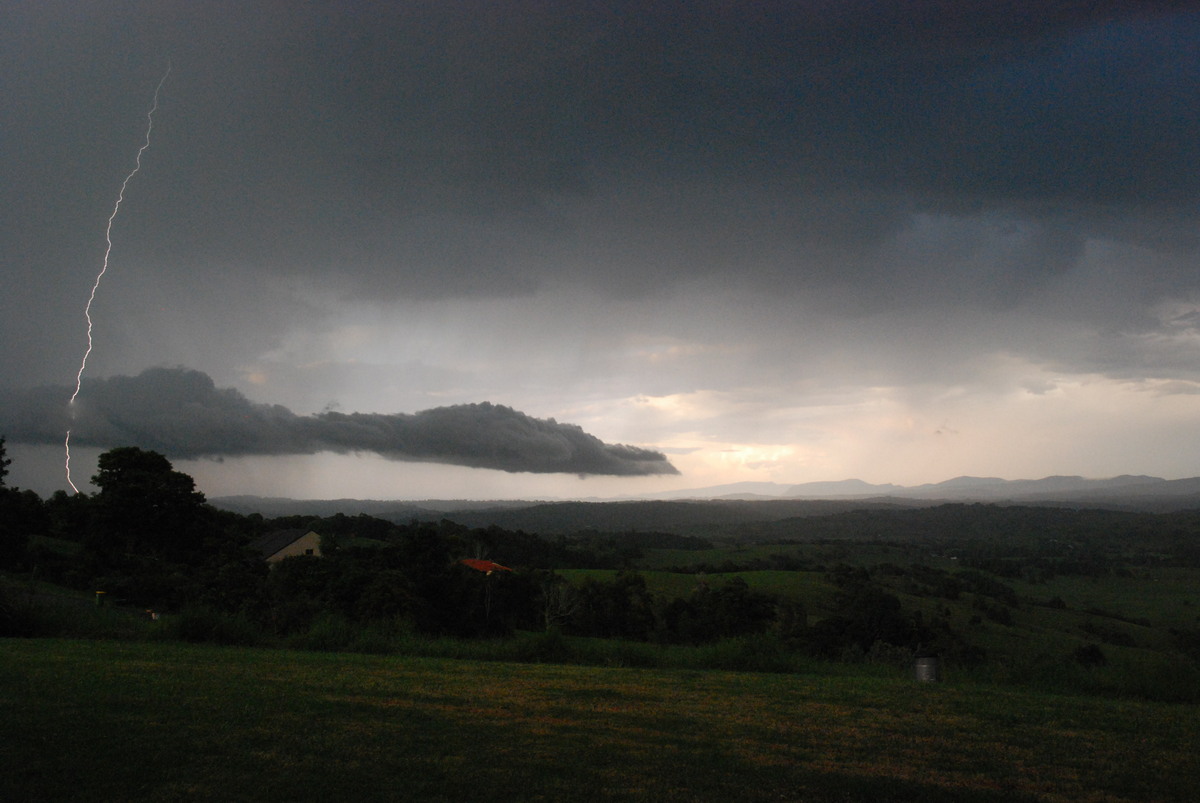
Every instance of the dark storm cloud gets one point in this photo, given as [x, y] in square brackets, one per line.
[635, 211]
[471, 149]
[858, 155]
[636, 151]
[183, 414]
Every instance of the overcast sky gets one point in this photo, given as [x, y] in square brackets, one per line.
[602, 242]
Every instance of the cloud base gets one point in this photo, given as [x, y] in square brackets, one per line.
[183, 414]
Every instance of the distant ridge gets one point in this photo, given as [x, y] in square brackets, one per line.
[1125, 492]
[958, 488]
[423, 510]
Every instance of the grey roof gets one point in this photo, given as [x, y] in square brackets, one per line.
[273, 542]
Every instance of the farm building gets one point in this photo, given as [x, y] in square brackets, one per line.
[287, 543]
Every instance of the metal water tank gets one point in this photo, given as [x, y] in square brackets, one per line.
[928, 670]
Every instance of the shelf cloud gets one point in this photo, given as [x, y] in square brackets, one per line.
[183, 414]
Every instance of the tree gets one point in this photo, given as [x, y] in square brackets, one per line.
[5, 462]
[22, 514]
[559, 600]
[146, 507]
[617, 608]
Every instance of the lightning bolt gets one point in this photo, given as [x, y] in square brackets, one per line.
[87, 310]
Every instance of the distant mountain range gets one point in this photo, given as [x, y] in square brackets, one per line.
[991, 489]
[1127, 492]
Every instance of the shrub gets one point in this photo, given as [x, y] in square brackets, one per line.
[374, 639]
[1089, 655]
[762, 652]
[329, 633]
[17, 616]
[545, 647]
[199, 624]
[621, 653]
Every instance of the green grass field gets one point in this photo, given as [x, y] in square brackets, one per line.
[810, 588]
[102, 720]
[1163, 596]
[1131, 618]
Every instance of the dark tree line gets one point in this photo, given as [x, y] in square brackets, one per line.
[149, 539]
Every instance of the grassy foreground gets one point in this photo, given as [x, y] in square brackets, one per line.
[99, 720]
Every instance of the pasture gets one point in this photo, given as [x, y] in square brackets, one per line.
[103, 720]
